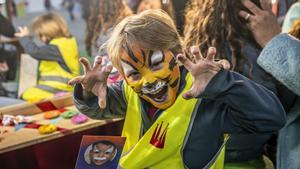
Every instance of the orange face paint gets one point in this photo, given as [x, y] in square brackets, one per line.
[153, 75]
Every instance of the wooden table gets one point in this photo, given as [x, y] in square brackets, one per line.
[27, 149]
[13, 140]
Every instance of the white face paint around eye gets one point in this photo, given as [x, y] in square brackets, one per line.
[127, 68]
[110, 150]
[156, 57]
[96, 150]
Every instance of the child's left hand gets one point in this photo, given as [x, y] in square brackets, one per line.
[24, 31]
[203, 70]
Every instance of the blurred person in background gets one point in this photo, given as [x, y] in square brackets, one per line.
[216, 23]
[86, 8]
[280, 57]
[179, 12]
[48, 5]
[69, 5]
[58, 58]
[10, 50]
[100, 25]
[6, 30]
[133, 4]
[8, 57]
[165, 5]
[175, 8]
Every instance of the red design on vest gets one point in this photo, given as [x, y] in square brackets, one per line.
[158, 138]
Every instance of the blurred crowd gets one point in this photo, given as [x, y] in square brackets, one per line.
[240, 33]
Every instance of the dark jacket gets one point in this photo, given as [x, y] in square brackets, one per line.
[230, 103]
[247, 147]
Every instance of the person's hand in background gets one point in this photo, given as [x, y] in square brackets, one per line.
[262, 22]
[3, 67]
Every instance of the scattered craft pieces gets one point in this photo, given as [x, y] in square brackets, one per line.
[79, 118]
[69, 114]
[7, 120]
[23, 119]
[51, 114]
[18, 121]
[62, 110]
[47, 129]
[11, 120]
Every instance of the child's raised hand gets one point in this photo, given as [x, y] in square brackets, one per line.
[203, 70]
[23, 31]
[94, 79]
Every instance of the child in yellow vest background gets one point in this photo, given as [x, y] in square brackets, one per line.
[58, 58]
[176, 116]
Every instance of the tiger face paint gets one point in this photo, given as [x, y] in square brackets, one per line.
[153, 75]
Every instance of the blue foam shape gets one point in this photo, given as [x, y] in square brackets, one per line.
[55, 121]
[19, 126]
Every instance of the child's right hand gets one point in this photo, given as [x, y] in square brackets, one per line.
[94, 79]
[23, 31]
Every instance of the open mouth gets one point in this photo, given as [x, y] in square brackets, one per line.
[99, 159]
[159, 94]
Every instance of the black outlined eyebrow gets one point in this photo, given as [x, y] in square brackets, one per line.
[130, 53]
[172, 64]
[128, 63]
[144, 57]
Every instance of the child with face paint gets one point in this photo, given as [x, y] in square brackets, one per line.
[177, 115]
[102, 153]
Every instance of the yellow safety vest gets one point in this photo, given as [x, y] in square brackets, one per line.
[162, 145]
[53, 77]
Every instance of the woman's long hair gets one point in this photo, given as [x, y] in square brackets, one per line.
[217, 23]
[104, 15]
[295, 31]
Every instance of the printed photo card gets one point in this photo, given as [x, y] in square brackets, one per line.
[101, 152]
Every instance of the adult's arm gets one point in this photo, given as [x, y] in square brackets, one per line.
[281, 58]
[5, 39]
